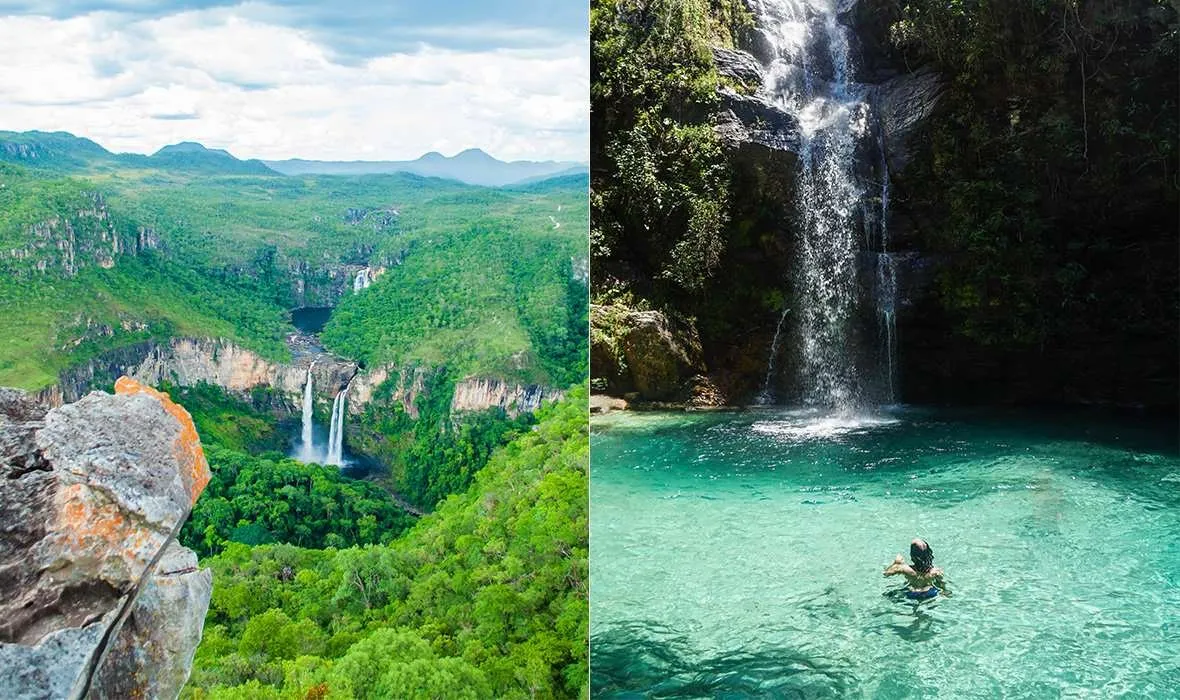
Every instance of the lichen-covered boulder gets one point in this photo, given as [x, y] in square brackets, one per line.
[153, 653]
[94, 493]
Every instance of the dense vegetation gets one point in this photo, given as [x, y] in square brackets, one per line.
[437, 453]
[490, 297]
[189, 243]
[230, 422]
[487, 597]
[1042, 193]
[324, 585]
[254, 500]
[1055, 155]
[657, 164]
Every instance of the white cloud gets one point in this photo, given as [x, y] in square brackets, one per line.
[268, 91]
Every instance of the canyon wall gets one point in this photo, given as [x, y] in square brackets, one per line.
[190, 361]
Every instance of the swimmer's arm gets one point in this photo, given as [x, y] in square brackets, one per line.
[898, 568]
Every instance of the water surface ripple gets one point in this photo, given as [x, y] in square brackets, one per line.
[740, 555]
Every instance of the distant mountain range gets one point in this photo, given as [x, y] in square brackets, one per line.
[62, 151]
[472, 166]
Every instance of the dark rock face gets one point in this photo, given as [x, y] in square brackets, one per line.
[746, 120]
[738, 66]
[904, 103]
[94, 493]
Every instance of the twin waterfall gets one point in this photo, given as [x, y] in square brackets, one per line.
[336, 432]
[841, 239]
[334, 454]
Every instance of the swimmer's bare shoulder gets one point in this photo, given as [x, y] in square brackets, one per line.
[899, 567]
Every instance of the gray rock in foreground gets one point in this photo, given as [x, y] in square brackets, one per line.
[94, 495]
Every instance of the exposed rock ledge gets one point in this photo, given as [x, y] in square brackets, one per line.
[478, 393]
[471, 394]
[646, 357]
[189, 361]
[96, 598]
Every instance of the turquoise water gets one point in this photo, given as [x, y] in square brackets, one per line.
[740, 555]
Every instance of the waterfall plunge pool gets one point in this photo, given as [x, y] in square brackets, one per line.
[311, 319]
[741, 555]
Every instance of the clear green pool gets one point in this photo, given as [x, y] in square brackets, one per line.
[740, 555]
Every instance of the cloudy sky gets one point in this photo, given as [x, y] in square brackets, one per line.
[330, 80]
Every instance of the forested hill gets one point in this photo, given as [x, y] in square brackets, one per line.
[1032, 205]
[485, 598]
[100, 251]
[60, 151]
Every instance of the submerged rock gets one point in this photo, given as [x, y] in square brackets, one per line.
[94, 494]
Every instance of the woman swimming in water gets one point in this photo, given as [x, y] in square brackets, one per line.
[923, 577]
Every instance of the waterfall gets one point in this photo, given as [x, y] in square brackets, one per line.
[767, 394]
[886, 288]
[336, 432]
[362, 281]
[810, 77]
[307, 447]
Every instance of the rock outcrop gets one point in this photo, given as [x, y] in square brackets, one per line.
[82, 235]
[903, 104]
[479, 393]
[739, 67]
[190, 361]
[642, 355]
[92, 603]
[753, 121]
[407, 386]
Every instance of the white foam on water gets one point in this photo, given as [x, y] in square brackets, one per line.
[822, 427]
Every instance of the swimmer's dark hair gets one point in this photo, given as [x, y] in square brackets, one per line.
[922, 556]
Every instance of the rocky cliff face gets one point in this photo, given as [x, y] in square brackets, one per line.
[96, 599]
[405, 388]
[189, 361]
[321, 284]
[479, 393]
[83, 237]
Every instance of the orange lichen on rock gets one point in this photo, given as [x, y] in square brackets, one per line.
[81, 519]
[188, 445]
[91, 528]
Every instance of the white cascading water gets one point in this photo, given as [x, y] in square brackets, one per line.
[307, 448]
[336, 431]
[809, 77]
[362, 281]
[886, 295]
